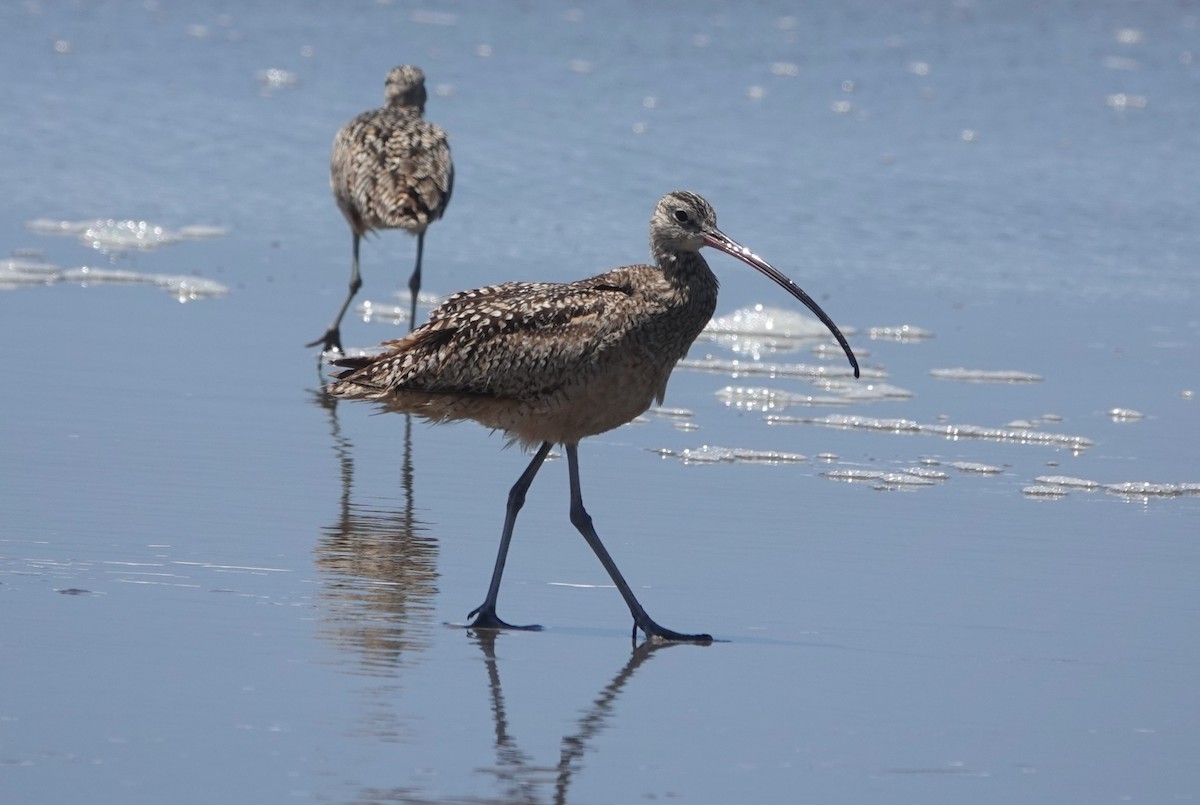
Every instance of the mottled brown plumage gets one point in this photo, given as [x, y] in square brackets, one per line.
[390, 169]
[553, 363]
[541, 361]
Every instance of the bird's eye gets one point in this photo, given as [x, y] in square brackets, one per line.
[681, 216]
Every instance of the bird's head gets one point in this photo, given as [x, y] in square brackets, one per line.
[405, 86]
[680, 223]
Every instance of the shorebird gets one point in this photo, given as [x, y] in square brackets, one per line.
[552, 363]
[390, 169]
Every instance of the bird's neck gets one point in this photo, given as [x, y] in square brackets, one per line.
[694, 287]
[687, 268]
[402, 105]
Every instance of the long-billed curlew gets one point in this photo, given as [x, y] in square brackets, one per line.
[390, 169]
[551, 363]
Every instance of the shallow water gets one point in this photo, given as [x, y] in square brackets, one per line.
[219, 586]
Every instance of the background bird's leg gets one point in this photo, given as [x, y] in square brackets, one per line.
[414, 282]
[485, 614]
[332, 340]
[583, 521]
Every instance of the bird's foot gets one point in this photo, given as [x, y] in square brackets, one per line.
[661, 634]
[330, 342]
[485, 617]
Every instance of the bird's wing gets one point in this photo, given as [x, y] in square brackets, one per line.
[393, 167]
[441, 171]
[519, 340]
[420, 152]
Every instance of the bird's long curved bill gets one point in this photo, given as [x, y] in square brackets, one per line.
[722, 242]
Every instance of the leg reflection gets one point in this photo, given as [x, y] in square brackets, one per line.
[521, 777]
[378, 567]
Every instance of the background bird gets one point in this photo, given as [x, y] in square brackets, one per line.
[552, 363]
[390, 169]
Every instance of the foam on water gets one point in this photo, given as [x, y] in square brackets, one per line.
[185, 288]
[949, 431]
[672, 413]
[986, 375]
[111, 236]
[905, 333]
[884, 480]
[1148, 489]
[1044, 487]
[975, 467]
[926, 472]
[834, 352]
[27, 270]
[760, 329]
[858, 391]
[1061, 485]
[1045, 492]
[275, 78]
[711, 454]
[1067, 481]
[391, 313]
[121, 236]
[770, 321]
[746, 398]
[755, 346]
[201, 231]
[853, 476]
[755, 398]
[736, 368]
[382, 313]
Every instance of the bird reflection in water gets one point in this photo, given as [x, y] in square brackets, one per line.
[378, 570]
[522, 781]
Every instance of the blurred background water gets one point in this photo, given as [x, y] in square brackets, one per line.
[978, 585]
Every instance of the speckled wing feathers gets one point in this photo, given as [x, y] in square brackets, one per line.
[519, 340]
[391, 169]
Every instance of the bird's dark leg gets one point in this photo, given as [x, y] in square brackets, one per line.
[332, 340]
[484, 616]
[414, 282]
[583, 521]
